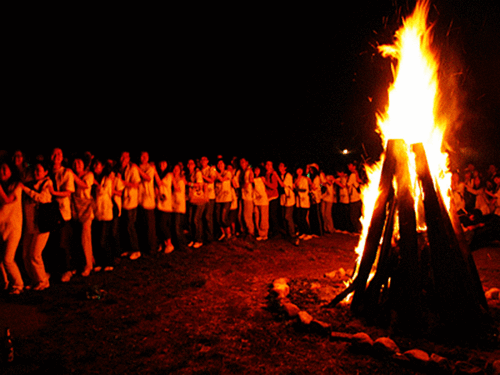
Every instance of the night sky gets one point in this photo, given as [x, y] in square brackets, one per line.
[267, 82]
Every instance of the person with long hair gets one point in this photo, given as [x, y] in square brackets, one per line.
[303, 203]
[83, 213]
[103, 235]
[34, 241]
[223, 199]
[261, 205]
[164, 207]
[63, 189]
[178, 204]
[11, 224]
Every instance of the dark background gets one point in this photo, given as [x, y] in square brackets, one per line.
[281, 82]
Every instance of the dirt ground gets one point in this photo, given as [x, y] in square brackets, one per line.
[206, 311]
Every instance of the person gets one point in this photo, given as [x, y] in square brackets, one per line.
[271, 183]
[313, 174]
[457, 190]
[62, 191]
[303, 203]
[287, 202]
[83, 213]
[233, 209]
[495, 195]
[129, 173]
[11, 222]
[223, 198]
[247, 192]
[328, 197]
[196, 204]
[37, 191]
[21, 167]
[208, 172]
[261, 206]
[164, 207]
[104, 237]
[343, 201]
[478, 190]
[178, 204]
[147, 201]
[354, 182]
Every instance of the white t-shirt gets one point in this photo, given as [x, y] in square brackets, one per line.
[64, 182]
[147, 188]
[223, 188]
[179, 197]
[303, 200]
[164, 197]
[287, 199]
[130, 197]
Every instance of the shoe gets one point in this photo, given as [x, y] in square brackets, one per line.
[222, 237]
[307, 237]
[15, 291]
[135, 255]
[67, 276]
[86, 272]
[191, 244]
[125, 254]
[168, 249]
[302, 236]
[97, 269]
[197, 245]
[296, 241]
[42, 285]
[261, 238]
[108, 269]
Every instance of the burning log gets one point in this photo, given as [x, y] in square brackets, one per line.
[457, 297]
[386, 190]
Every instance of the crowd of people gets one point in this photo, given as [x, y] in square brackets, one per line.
[80, 214]
[476, 199]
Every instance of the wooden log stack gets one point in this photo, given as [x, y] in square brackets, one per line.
[423, 283]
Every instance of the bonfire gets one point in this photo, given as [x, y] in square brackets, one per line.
[413, 268]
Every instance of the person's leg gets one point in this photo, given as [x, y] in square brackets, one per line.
[11, 268]
[87, 247]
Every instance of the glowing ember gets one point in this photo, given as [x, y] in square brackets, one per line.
[410, 114]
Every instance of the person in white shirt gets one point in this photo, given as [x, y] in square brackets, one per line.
[223, 199]
[131, 178]
[355, 203]
[247, 192]
[164, 207]
[328, 196]
[63, 189]
[287, 201]
[11, 222]
[344, 221]
[209, 172]
[196, 204]
[261, 205]
[37, 191]
[83, 213]
[303, 203]
[316, 225]
[104, 240]
[178, 204]
[147, 202]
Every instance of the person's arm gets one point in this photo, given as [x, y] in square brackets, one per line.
[144, 175]
[10, 197]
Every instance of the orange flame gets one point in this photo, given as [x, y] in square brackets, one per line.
[410, 114]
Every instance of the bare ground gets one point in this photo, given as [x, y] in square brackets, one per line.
[207, 311]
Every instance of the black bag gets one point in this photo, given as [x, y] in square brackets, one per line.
[49, 217]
